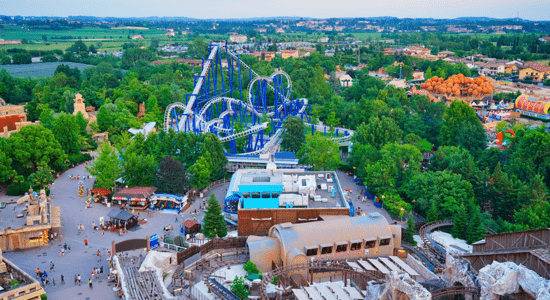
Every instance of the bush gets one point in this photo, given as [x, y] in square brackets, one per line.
[251, 268]
[43, 297]
[17, 189]
[179, 241]
[393, 204]
[75, 159]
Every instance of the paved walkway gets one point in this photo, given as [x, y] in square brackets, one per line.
[81, 260]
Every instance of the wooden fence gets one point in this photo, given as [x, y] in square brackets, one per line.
[226, 243]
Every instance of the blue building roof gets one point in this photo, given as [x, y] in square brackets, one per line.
[167, 196]
[285, 155]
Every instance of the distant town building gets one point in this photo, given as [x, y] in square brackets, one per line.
[10, 42]
[345, 80]
[491, 69]
[238, 38]
[323, 39]
[279, 30]
[536, 72]
[137, 37]
[289, 53]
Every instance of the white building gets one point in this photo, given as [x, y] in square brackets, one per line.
[238, 38]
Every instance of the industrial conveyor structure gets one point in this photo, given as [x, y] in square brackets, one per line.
[233, 102]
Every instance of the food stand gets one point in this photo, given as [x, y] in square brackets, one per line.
[169, 202]
[122, 219]
[101, 195]
[135, 197]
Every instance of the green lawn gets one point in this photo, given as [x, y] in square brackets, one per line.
[376, 35]
[16, 33]
[114, 45]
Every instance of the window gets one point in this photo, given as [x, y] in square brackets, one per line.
[385, 242]
[326, 250]
[246, 195]
[342, 248]
[370, 244]
[266, 195]
[355, 246]
[256, 195]
[312, 251]
[275, 195]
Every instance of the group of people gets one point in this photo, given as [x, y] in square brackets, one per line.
[64, 249]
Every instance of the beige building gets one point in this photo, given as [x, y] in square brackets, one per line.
[535, 72]
[335, 238]
[323, 39]
[238, 38]
[10, 42]
[12, 118]
[29, 288]
[345, 80]
[29, 223]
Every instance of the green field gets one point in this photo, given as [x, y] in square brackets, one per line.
[16, 33]
[376, 35]
[106, 45]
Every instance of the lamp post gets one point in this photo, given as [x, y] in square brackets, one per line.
[402, 209]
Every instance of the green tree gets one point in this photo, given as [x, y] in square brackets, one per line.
[6, 170]
[42, 177]
[409, 232]
[218, 160]
[104, 119]
[21, 59]
[433, 213]
[66, 132]
[378, 132]
[460, 220]
[201, 171]
[213, 223]
[475, 231]
[106, 167]
[462, 128]
[48, 58]
[320, 153]
[33, 145]
[238, 288]
[171, 177]
[82, 124]
[198, 48]
[139, 170]
[294, 135]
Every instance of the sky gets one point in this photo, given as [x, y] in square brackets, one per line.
[206, 9]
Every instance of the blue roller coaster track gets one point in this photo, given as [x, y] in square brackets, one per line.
[221, 104]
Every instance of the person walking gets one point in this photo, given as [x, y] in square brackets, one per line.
[53, 282]
[97, 273]
[90, 283]
[52, 267]
[62, 251]
[75, 279]
[69, 247]
[79, 280]
[98, 256]
[93, 273]
[103, 232]
[86, 242]
[62, 279]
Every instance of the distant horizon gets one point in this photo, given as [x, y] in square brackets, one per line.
[268, 18]
[532, 10]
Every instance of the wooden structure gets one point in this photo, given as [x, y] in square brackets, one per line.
[123, 219]
[31, 289]
[191, 226]
[226, 243]
[259, 221]
[529, 248]
[128, 245]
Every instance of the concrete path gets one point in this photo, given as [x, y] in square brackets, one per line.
[81, 260]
